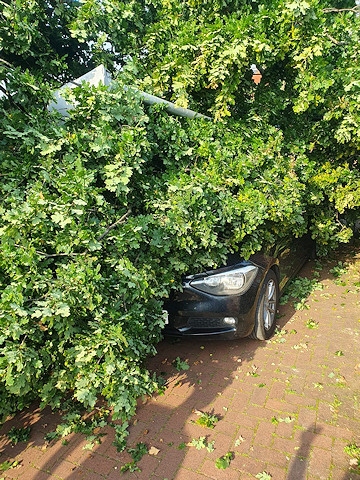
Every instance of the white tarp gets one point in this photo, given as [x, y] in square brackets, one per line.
[97, 76]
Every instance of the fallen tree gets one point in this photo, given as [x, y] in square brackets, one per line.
[102, 213]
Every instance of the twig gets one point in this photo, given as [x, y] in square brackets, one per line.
[53, 255]
[115, 224]
[337, 42]
[15, 104]
[4, 61]
[338, 10]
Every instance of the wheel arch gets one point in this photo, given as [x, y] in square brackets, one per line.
[276, 270]
[259, 331]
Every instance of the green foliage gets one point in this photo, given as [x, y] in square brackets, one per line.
[276, 420]
[207, 420]
[339, 269]
[201, 442]
[299, 289]
[21, 434]
[8, 464]
[353, 450]
[312, 324]
[180, 364]
[104, 211]
[35, 36]
[224, 462]
[136, 453]
[121, 434]
[264, 476]
[74, 421]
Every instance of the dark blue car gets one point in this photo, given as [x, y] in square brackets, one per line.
[237, 300]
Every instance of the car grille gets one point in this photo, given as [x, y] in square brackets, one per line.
[197, 322]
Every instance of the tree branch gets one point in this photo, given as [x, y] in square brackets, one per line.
[337, 42]
[115, 224]
[6, 63]
[338, 10]
[14, 104]
[54, 255]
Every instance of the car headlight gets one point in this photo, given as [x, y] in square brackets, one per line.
[234, 282]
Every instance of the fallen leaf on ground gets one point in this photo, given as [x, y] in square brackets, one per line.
[198, 412]
[154, 451]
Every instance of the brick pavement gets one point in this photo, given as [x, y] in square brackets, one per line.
[286, 407]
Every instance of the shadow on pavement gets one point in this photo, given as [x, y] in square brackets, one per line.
[166, 422]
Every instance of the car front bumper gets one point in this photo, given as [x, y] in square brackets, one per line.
[195, 313]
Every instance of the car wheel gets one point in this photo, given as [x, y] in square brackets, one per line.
[265, 316]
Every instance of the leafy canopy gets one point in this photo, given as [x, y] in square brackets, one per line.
[102, 212]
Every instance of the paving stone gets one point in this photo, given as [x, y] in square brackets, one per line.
[306, 418]
[169, 465]
[248, 465]
[276, 472]
[210, 471]
[320, 464]
[184, 474]
[269, 456]
[264, 434]
[33, 474]
[99, 464]
[63, 469]
[298, 467]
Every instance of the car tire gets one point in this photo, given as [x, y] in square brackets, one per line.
[267, 305]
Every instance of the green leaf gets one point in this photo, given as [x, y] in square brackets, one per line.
[180, 364]
[207, 420]
[224, 462]
[8, 464]
[201, 442]
[63, 310]
[263, 476]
